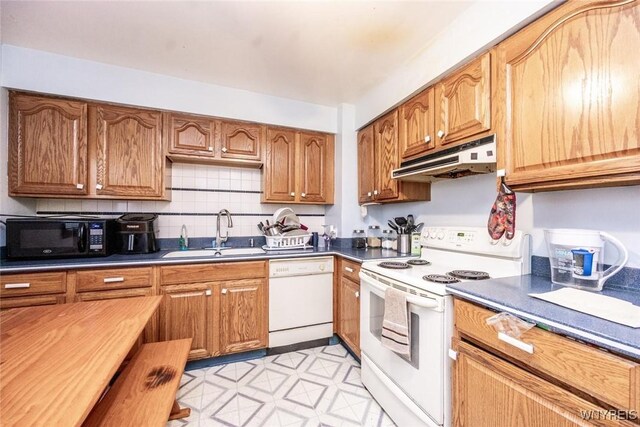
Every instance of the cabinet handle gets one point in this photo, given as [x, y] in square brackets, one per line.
[303, 194]
[224, 149]
[349, 269]
[453, 355]
[440, 133]
[375, 192]
[17, 285]
[515, 342]
[292, 194]
[357, 294]
[113, 279]
[79, 186]
[427, 139]
[208, 292]
[369, 194]
[210, 148]
[98, 186]
[223, 291]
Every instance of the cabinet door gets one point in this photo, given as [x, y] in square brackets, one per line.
[240, 140]
[130, 161]
[386, 150]
[366, 165]
[47, 146]
[190, 134]
[350, 314]
[316, 168]
[279, 166]
[489, 392]
[416, 127]
[244, 321]
[187, 312]
[464, 102]
[571, 84]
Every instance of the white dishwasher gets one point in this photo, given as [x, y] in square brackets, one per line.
[300, 300]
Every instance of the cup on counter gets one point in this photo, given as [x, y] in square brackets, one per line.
[404, 243]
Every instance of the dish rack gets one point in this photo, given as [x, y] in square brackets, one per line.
[287, 242]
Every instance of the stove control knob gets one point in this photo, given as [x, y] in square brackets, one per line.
[440, 235]
[432, 233]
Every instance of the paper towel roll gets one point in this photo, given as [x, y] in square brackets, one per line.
[363, 211]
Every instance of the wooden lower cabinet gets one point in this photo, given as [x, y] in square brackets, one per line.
[493, 393]
[187, 311]
[350, 314]
[243, 315]
[7, 303]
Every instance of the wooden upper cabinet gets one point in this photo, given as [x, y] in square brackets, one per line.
[244, 316]
[366, 165]
[417, 127]
[298, 167]
[571, 84]
[463, 102]
[47, 146]
[189, 134]
[386, 143]
[279, 169]
[240, 140]
[316, 168]
[130, 161]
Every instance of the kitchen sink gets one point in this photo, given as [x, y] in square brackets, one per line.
[214, 252]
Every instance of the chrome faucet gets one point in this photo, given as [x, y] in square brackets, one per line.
[219, 239]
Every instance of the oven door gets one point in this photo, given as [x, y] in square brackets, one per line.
[421, 377]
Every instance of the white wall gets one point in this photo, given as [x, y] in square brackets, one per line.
[478, 27]
[40, 71]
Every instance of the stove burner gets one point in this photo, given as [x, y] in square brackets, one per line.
[418, 262]
[469, 274]
[394, 265]
[440, 278]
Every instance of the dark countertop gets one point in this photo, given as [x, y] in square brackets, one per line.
[113, 261]
[511, 294]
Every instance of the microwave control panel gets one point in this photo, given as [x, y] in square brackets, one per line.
[96, 236]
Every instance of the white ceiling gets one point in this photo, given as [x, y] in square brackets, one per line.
[324, 52]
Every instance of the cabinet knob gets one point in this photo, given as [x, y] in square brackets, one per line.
[369, 194]
[357, 294]
[98, 186]
[427, 139]
[210, 148]
[292, 194]
[440, 133]
[223, 291]
[303, 194]
[375, 192]
[208, 292]
[224, 149]
[79, 186]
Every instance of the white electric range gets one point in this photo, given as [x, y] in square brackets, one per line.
[416, 391]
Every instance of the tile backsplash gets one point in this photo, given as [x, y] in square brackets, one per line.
[198, 193]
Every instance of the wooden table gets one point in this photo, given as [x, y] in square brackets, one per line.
[55, 361]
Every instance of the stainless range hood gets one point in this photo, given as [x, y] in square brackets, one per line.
[471, 158]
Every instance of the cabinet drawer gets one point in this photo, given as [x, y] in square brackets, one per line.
[117, 278]
[7, 303]
[212, 272]
[350, 270]
[605, 376]
[33, 284]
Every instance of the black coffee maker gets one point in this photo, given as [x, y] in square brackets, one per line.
[136, 233]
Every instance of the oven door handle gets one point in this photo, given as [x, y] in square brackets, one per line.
[411, 299]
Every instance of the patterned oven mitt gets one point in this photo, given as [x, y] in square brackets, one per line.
[502, 218]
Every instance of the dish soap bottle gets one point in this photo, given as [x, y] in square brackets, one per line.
[183, 242]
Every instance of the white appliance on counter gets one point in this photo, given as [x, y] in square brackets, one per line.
[417, 391]
[300, 300]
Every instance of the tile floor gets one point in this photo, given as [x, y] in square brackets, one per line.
[314, 387]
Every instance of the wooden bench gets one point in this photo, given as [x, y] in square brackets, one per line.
[145, 393]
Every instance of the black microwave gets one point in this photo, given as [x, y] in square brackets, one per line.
[58, 237]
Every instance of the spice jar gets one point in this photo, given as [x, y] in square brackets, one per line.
[374, 237]
[358, 239]
[389, 240]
